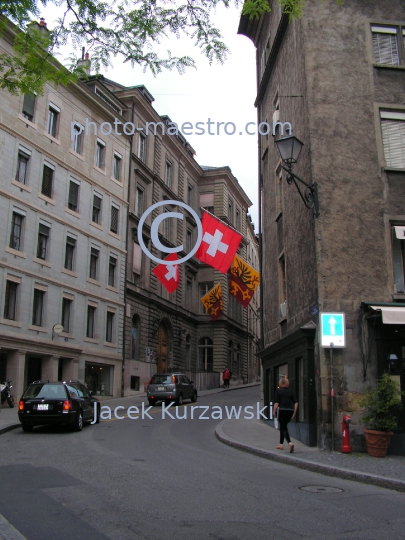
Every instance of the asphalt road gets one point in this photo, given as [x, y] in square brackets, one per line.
[170, 479]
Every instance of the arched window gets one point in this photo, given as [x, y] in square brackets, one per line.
[206, 354]
[188, 353]
[135, 337]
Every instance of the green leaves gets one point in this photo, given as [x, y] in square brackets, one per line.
[127, 28]
[382, 403]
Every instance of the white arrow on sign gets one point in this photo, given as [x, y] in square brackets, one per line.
[332, 322]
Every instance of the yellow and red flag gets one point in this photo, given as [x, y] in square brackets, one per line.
[212, 302]
[244, 281]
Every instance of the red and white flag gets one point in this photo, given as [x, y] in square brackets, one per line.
[219, 243]
[168, 274]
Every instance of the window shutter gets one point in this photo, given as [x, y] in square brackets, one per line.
[114, 220]
[393, 135]
[385, 48]
[44, 230]
[29, 105]
[73, 195]
[47, 179]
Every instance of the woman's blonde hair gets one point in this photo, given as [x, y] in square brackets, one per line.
[284, 383]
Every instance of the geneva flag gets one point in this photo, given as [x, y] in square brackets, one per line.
[244, 281]
[212, 302]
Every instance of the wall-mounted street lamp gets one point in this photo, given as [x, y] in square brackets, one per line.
[290, 149]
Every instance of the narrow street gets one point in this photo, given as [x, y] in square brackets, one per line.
[172, 479]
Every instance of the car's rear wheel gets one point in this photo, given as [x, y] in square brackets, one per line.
[152, 402]
[180, 400]
[194, 398]
[78, 425]
[27, 428]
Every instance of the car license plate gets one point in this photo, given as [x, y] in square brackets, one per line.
[161, 388]
[42, 407]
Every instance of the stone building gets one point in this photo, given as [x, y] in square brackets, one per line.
[166, 332]
[338, 76]
[63, 198]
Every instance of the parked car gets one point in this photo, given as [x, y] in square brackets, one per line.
[171, 387]
[67, 403]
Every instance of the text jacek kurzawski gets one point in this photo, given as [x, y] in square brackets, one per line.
[192, 412]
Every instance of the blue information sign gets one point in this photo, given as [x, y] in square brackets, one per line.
[333, 330]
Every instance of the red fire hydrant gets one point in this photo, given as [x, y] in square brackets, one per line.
[346, 448]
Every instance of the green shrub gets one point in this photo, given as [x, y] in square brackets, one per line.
[382, 402]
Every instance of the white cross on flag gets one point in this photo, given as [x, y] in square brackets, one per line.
[168, 274]
[219, 243]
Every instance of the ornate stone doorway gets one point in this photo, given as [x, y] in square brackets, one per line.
[162, 350]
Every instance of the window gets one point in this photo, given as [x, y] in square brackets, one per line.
[388, 45]
[142, 147]
[204, 288]
[136, 259]
[139, 202]
[37, 308]
[169, 171]
[114, 219]
[230, 211]
[53, 114]
[206, 354]
[135, 338]
[69, 253]
[77, 141]
[73, 202]
[100, 151]
[393, 137]
[282, 280]
[279, 190]
[167, 226]
[91, 311]
[47, 181]
[16, 231]
[188, 353]
[29, 107]
[207, 201]
[190, 195]
[398, 252]
[96, 214]
[109, 327]
[10, 300]
[234, 308]
[94, 253]
[265, 56]
[66, 312]
[22, 167]
[135, 383]
[237, 220]
[189, 240]
[43, 238]
[189, 293]
[117, 166]
[111, 271]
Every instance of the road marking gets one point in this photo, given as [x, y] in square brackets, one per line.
[8, 532]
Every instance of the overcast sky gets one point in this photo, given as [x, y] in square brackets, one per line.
[222, 93]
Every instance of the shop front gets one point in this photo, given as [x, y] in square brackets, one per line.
[99, 378]
[293, 357]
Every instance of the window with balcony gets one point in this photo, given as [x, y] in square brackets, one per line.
[69, 253]
[94, 255]
[37, 308]
[16, 231]
[96, 212]
[91, 316]
[66, 314]
[109, 327]
[22, 167]
[43, 242]
[10, 300]
[111, 271]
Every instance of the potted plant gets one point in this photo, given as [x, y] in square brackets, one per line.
[382, 403]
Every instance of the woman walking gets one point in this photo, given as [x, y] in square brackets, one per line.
[287, 407]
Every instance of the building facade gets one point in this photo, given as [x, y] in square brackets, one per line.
[63, 236]
[342, 90]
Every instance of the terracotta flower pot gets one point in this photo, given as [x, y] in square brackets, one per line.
[377, 442]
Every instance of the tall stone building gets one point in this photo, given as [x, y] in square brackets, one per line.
[63, 197]
[338, 76]
[78, 296]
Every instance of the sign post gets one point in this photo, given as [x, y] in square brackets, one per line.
[332, 335]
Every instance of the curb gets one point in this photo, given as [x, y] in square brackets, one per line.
[10, 427]
[337, 472]
[8, 532]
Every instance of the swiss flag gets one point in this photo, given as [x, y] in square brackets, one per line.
[168, 274]
[219, 243]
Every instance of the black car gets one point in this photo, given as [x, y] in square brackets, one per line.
[56, 403]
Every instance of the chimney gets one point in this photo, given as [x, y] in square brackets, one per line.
[85, 61]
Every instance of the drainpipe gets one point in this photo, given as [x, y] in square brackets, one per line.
[131, 141]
